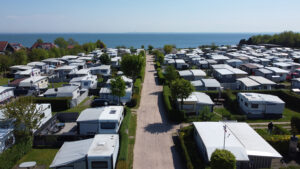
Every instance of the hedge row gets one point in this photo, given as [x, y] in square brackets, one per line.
[160, 75]
[280, 143]
[189, 149]
[295, 124]
[123, 155]
[12, 155]
[57, 103]
[279, 130]
[172, 113]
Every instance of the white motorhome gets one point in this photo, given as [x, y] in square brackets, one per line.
[35, 83]
[256, 105]
[7, 139]
[6, 93]
[101, 120]
[98, 152]
[86, 82]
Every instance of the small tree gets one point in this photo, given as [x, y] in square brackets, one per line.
[100, 44]
[26, 115]
[181, 89]
[20, 57]
[142, 46]
[105, 59]
[150, 48]
[61, 42]
[171, 74]
[118, 87]
[168, 48]
[39, 41]
[71, 41]
[132, 65]
[222, 159]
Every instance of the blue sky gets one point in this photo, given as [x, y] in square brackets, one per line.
[111, 16]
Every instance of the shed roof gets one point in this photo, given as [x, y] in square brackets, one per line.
[101, 113]
[248, 82]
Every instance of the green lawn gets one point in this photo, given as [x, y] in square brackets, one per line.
[4, 81]
[132, 131]
[83, 105]
[41, 156]
[287, 115]
[56, 85]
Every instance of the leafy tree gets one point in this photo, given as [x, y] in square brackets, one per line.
[181, 89]
[38, 54]
[61, 42]
[150, 47]
[19, 57]
[55, 52]
[26, 115]
[118, 87]
[168, 48]
[100, 44]
[132, 65]
[71, 41]
[142, 46]
[105, 59]
[88, 47]
[222, 159]
[132, 49]
[214, 46]
[171, 73]
[5, 62]
[76, 49]
[39, 41]
[205, 114]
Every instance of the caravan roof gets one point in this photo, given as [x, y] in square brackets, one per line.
[101, 113]
[211, 83]
[34, 79]
[241, 140]
[266, 98]
[262, 80]
[248, 82]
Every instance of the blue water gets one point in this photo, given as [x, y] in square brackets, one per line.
[181, 40]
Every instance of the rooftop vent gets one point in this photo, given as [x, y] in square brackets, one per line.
[101, 143]
[112, 112]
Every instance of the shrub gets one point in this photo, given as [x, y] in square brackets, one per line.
[123, 155]
[222, 159]
[157, 64]
[134, 100]
[137, 86]
[295, 124]
[172, 113]
[161, 77]
[12, 155]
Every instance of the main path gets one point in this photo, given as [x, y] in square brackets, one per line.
[154, 147]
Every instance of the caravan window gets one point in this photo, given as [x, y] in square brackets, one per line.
[246, 104]
[254, 106]
[99, 164]
[108, 125]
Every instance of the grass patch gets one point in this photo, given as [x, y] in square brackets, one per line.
[132, 132]
[82, 106]
[41, 156]
[287, 115]
[4, 81]
[56, 85]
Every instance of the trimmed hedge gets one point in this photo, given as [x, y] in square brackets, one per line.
[172, 113]
[295, 124]
[57, 103]
[189, 149]
[137, 86]
[160, 75]
[123, 155]
[12, 155]
[279, 130]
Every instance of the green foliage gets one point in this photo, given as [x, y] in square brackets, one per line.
[295, 124]
[189, 149]
[288, 39]
[88, 47]
[159, 56]
[168, 48]
[12, 155]
[222, 159]
[71, 41]
[27, 116]
[157, 64]
[171, 74]
[105, 59]
[279, 142]
[39, 41]
[160, 75]
[5, 62]
[132, 65]
[123, 155]
[40, 54]
[142, 46]
[100, 44]
[19, 57]
[181, 89]
[138, 86]
[150, 47]
[61, 42]
[172, 113]
[118, 87]
[279, 130]
[205, 114]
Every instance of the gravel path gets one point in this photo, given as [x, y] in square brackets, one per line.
[154, 146]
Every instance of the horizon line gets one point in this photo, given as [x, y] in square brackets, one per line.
[140, 32]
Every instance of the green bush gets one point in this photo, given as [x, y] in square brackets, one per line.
[123, 155]
[134, 100]
[12, 155]
[137, 86]
[57, 103]
[160, 75]
[172, 113]
[222, 159]
[295, 124]
[157, 64]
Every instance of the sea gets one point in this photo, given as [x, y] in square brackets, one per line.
[180, 40]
